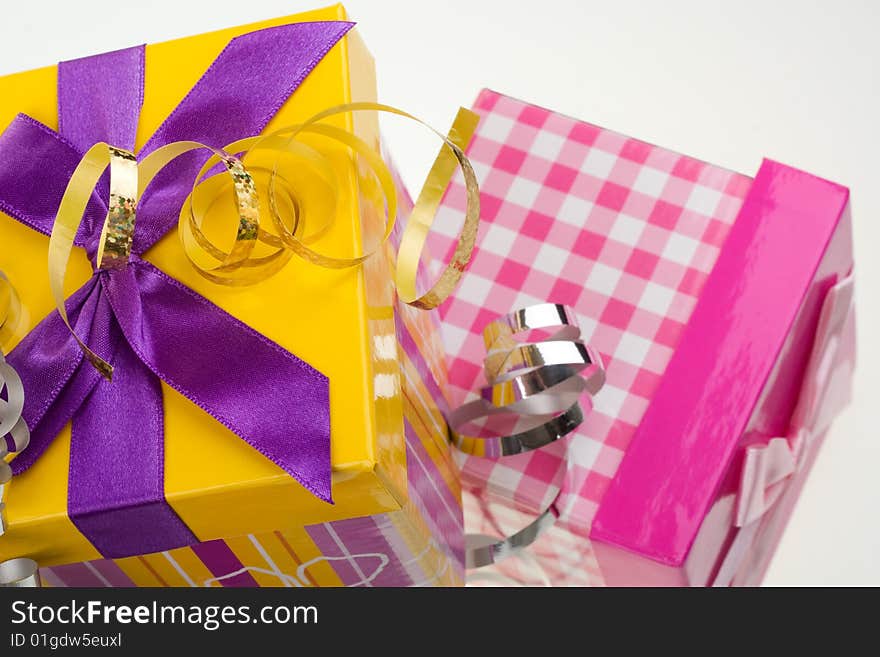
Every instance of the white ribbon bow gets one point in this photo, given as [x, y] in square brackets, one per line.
[768, 468]
[825, 391]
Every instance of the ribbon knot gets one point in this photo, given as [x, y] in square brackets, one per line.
[132, 320]
[767, 469]
[89, 236]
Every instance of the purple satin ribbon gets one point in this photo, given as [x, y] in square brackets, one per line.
[146, 324]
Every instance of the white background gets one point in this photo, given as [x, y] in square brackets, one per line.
[728, 82]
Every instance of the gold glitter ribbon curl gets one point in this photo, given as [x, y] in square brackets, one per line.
[285, 232]
[11, 312]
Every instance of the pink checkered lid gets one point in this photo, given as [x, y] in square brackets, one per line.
[623, 231]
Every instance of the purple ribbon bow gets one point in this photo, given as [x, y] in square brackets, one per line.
[146, 324]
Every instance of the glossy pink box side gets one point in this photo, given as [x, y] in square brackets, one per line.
[754, 323]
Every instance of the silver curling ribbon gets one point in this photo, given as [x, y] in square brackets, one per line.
[14, 434]
[535, 386]
[19, 573]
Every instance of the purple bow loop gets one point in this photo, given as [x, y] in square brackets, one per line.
[148, 326]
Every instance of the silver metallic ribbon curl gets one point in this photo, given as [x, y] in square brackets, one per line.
[12, 425]
[539, 383]
[14, 437]
[19, 573]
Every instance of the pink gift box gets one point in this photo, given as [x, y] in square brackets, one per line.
[722, 308]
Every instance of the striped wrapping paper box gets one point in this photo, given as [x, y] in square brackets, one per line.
[419, 545]
[629, 235]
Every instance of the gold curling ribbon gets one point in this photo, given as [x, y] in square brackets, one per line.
[11, 315]
[424, 211]
[70, 216]
[287, 232]
[239, 266]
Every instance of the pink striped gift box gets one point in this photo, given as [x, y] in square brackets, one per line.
[711, 296]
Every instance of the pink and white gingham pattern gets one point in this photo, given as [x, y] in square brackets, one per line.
[622, 231]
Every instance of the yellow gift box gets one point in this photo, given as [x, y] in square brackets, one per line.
[346, 323]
